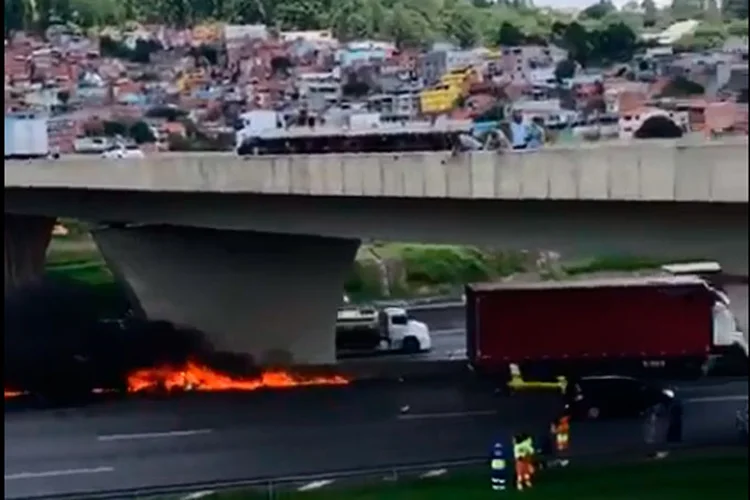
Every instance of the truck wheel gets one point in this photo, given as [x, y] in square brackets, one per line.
[410, 345]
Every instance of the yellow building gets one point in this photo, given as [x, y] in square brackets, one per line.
[442, 97]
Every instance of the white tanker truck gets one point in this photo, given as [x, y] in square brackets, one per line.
[369, 330]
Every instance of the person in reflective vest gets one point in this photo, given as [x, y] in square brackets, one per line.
[498, 467]
[523, 452]
[562, 434]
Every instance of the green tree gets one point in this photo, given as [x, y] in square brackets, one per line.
[650, 13]
[113, 128]
[565, 69]
[682, 87]
[90, 13]
[409, 22]
[141, 133]
[509, 35]
[300, 14]
[177, 13]
[351, 19]
[737, 28]
[461, 24]
[712, 11]
[734, 9]
[575, 39]
[686, 9]
[15, 16]
[407, 27]
[598, 10]
[613, 43]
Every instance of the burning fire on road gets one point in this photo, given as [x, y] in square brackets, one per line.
[56, 347]
[194, 376]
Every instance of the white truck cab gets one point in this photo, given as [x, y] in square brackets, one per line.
[728, 337]
[391, 329]
[253, 124]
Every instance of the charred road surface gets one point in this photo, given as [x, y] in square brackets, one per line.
[139, 444]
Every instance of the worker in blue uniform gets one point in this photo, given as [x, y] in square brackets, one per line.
[498, 466]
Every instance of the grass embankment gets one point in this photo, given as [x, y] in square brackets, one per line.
[696, 479]
[381, 270]
[76, 257]
[421, 270]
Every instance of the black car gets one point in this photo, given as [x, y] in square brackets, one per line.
[612, 397]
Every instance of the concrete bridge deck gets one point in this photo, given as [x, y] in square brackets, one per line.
[642, 171]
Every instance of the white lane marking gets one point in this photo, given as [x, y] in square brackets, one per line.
[457, 354]
[712, 399]
[57, 473]
[315, 485]
[433, 473]
[446, 332]
[426, 416]
[197, 495]
[435, 307]
[718, 387]
[154, 435]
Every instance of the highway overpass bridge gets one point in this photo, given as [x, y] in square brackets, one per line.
[254, 251]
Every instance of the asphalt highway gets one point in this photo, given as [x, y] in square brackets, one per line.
[220, 437]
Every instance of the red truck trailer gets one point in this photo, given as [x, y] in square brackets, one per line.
[660, 326]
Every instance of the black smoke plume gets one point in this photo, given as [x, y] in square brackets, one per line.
[58, 347]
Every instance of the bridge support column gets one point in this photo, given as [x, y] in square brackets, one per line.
[271, 296]
[26, 240]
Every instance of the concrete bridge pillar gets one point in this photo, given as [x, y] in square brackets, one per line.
[270, 296]
[26, 240]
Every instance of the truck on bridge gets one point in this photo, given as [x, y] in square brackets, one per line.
[663, 326]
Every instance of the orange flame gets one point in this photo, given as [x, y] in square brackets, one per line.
[196, 377]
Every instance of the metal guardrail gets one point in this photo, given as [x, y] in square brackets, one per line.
[456, 301]
[274, 485]
[442, 302]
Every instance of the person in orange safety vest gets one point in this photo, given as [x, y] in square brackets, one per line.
[562, 434]
[560, 431]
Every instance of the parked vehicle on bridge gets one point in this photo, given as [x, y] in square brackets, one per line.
[91, 145]
[648, 326]
[121, 151]
[26, 136]
[370, 330]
